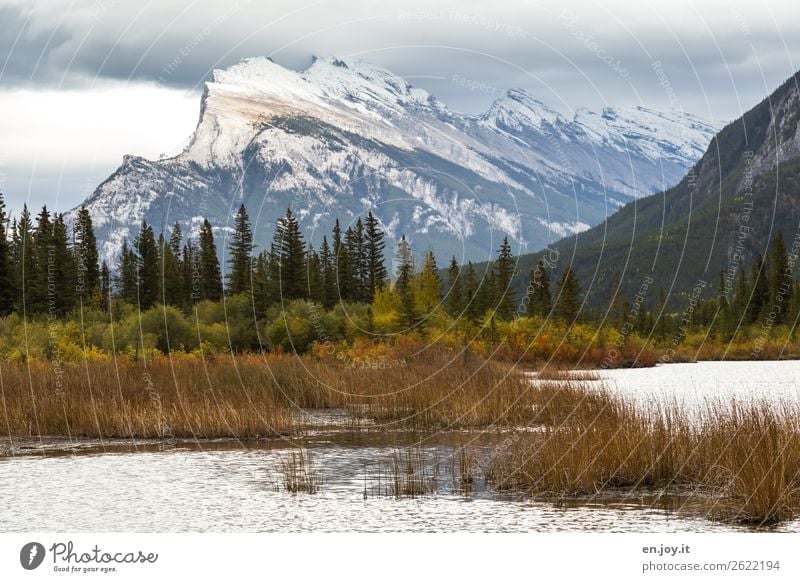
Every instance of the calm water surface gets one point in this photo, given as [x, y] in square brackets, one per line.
[53, 485]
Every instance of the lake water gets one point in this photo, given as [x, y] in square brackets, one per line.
[53, 485]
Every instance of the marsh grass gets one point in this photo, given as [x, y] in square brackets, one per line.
[741, 460]
[410, 474]
[300, 475]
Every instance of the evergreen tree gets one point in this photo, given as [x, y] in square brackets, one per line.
[759, 296]
[208, 274]
[539, 299]
[505, 273]
[473, 310]
[174, 277]
[428, 287]
[376, 269]
[315, 289]
[262, 296]
[404, 282]
[357, 254]
[290, 253]
[24, 259]
[662, 324]
[780, 279]
[127, 275]
[62, 270]
[87, 259]
[241, 251]
[455, 290]
[6, 265]
[105, 287]
[568, 302]
[148, 271]
[172, 292]
[37, 300]
[327, 266]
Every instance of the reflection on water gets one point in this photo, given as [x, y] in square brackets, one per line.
[229, 485]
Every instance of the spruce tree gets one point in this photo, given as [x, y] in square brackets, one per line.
[24, 253]
[7, 285]
[171, 272]
[539, 299]
[315, 289]
[148, 268]
[328, 269]
[209, 276]
[105, 287]
[37, 300]
[428, 287]
[375, 245]
[62, 271]
[455, 289]
[127, 275]
[241, 254]
[780, 279]
[87, 259]
[291, 257]
[473, 311]
[262, 297]
[505, 273]
[405, 281]
[759, 296]
[568, 301]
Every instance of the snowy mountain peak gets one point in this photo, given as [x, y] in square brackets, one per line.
[343, 136]
[518, 110]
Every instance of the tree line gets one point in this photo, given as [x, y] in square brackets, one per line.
[48, 266]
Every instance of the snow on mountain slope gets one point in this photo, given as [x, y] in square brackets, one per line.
[343, 137]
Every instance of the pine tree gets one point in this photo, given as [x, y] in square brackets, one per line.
[171, 272]
[262, 296]
[455, 290]
[37, 300]
[105, 287]
[375, 245]
[127, 275]
[505, 273]
[148, 268]
[780, 279]
[568, 301]
[208, 274]
[473, 311]
[428, 287]
[315, 289]
[539, 299]
[62, 270]
[405, 281]
[328, 269]
[290, 253]
[662, 324]
[6, 266]
[760, 294]
[174, 279]
[87, 259]
[241, 254]
[357, 253]
[24, 260]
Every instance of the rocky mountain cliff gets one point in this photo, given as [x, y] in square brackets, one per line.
[343, 137]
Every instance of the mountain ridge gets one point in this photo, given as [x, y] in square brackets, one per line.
[343, 137]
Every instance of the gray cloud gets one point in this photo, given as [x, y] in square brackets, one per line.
[563, 55]
[716, 59]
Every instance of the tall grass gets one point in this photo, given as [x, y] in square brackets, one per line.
[741, 459]
[300, 474]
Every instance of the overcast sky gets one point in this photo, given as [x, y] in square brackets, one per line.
[83, 82]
